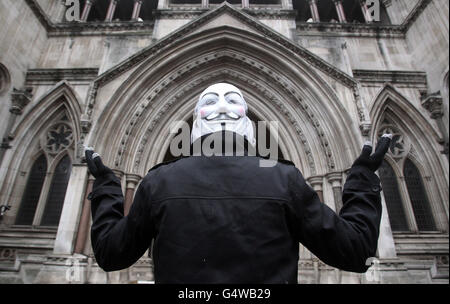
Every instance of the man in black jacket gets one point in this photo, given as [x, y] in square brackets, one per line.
[226, 219]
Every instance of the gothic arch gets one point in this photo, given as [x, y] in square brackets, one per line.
[393, 107]
[61, 95]
[390, 98]
[288, 77]
[58, 106]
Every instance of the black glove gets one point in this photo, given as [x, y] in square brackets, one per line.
[95, 164]
[373, 162]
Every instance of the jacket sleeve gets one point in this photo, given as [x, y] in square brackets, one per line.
[347, 240]
[118, 241]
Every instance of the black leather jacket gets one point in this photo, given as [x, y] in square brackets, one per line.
[225, 219]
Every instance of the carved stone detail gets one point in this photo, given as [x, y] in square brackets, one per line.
[163, 84]
[58, 138]
[433, 103]
[400, 144]
[19, 98]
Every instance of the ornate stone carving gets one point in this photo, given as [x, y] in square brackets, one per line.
[58, 138]
[433, 103]
[85, 123]
[350, 29]
[19, 98]
[163, 84]
[365, 128]
[400, 145]
[394, 77]
[271, 13]
[55, 75]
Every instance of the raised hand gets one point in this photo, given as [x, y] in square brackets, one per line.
[95, 164]
[373, 162]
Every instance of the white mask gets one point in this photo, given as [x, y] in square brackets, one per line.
[221, 107]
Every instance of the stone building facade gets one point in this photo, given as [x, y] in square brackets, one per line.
[328, 71]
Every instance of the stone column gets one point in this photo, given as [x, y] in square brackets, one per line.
[132, 181]
[136, 10]
[365, 11]
[433, 103]
[335, 179]
[86, 9]
[340, 10]
[67, 228]
[83, 227]
[316, 183]
[314, 10]
[19, 98]
[245, 3]
[111, 10]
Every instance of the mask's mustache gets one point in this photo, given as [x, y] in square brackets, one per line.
[222, 116]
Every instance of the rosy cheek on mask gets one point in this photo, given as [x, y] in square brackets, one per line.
[204, 112]
[239, 110]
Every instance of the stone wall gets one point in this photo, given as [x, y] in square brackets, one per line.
[22, 40]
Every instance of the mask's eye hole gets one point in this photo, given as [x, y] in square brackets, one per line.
[234, 98]
[209, 99]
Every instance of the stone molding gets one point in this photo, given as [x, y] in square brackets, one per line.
[433, 103]
[20, 99]
[102, 28]
[394, 77]
[132, 180]
[316, 182]
[349, 29]
[268, 13]
[56, 75]
[334, 178]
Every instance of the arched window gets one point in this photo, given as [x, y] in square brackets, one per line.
[418, 197]
[394, 203]
[45, 191]
[406, 196]
[32, 192]
[53, 207]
